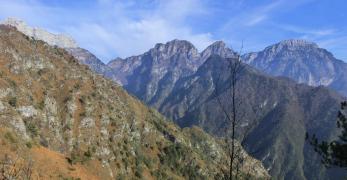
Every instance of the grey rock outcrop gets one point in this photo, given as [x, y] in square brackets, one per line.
[59, 40]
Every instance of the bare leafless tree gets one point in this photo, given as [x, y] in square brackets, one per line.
[229, 104]
[233, 70]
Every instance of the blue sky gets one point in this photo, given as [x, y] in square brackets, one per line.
[111, 28]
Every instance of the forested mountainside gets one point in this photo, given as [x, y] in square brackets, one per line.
[66, 121]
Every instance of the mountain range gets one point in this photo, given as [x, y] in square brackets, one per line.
[181, 82]
[153, 75]
[63, 121]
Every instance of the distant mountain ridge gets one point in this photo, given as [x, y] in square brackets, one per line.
[300, 60]
[303, 61]
[171, 52]
[153, 75]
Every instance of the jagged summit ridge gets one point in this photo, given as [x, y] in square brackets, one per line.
[174, 59]
[218, 48]
[176, 43]
[297, 42]
[217, 44]
[176, 46]
[59, 40]
[183, 46]
[293, 44]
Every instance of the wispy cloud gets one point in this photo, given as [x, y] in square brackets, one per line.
[241, 27]
[255, 20]
[255, 15]
[261, 13]
[265, 23]
[117, 28]
[329, 38]
[308, 31]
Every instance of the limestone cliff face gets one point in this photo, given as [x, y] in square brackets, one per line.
[59, 40]
[74, 123]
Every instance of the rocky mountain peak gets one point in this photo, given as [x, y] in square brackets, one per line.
[118, 59]
[14, 22]
[115, 62]
[303, 61]
[176, 46]
[181, 43]
[218, 44]
[292, 44]
[59, 40]
[218, 48]
[297, 42]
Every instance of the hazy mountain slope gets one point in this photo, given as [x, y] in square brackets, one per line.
[89, 59]
[302, 61]
[51, 106]
[279, 111]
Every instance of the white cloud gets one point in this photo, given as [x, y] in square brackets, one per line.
[255, 20]
[336, 44]
[126, 36]
[261, 13]
[254, 16]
